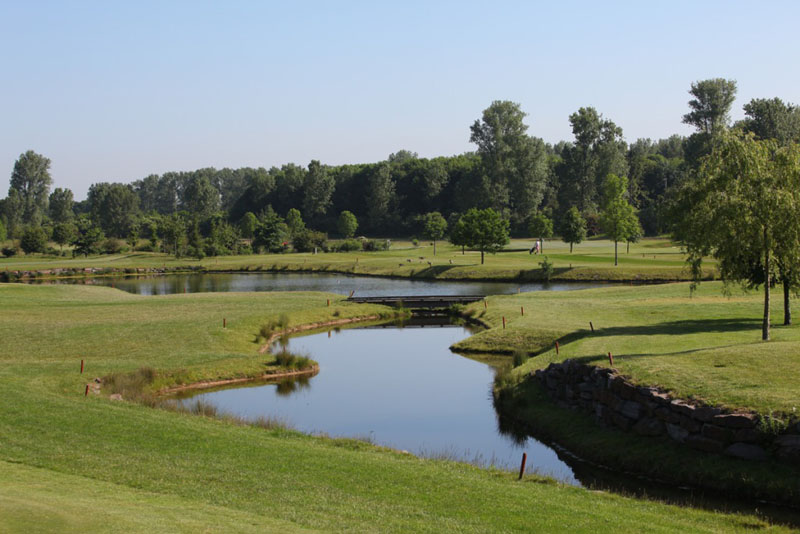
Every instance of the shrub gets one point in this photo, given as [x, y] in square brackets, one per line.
[519, 358]
[307, 240]
[374, 244]
[547, 269]
[348, 245]
[33, 240]
[112, 245]
[9, 251]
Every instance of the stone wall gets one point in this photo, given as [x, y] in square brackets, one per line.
[616, 402]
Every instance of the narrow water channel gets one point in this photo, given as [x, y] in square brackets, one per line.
[398, 386]
[329, 282]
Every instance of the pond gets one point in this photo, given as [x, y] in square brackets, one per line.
[328, 282]
[400, 386]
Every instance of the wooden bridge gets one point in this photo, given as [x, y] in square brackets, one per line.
[419, 302]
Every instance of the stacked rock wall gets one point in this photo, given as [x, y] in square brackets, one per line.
[616, 402]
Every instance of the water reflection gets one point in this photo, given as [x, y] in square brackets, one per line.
[328, 282]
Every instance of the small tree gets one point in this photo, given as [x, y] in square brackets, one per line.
[64, 233]
[540, 226]
[573, 228]
[33, 240]
[88, 240]
[248, 225]
[435, 227]
[294, 221]
[272, 234]
[485, 230]
[347, 224]
[458, 234]
[618, 217]
[133, 236]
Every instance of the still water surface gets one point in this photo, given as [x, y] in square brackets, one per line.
[399, 386]
[334, 283]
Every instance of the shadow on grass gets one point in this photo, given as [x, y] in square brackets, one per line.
[433, 271]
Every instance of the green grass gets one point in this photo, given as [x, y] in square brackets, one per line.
[652, 259]
[706, 345]
[72, 463]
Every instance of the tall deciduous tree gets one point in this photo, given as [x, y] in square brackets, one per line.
[200, 198]
[485, 230]
[573, 228]
[319, 187]
[294, 220]
[618, 218]
[744, 211]
[598, 150]
[435, 227]
[711, 105]
[113, 207]
[61, 205]
[772, 119]
[31, 179]
[380, 195]
[515, 164]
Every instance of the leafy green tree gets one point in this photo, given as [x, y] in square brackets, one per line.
[61, 202]
[12, 210]
[458, 233]
[200, 198]
[541, 226]
[711, 105]
[33, 240]
[113, 207]
[319, 186]
[598, 150]
[347, 224]
[64, 233]
[248, 225]
[194, 241]
[31, 179]
[618, 218]
[380, 195]
[485, 230]
[744, 212]
[172, 230]
[294, 220]
[573, 228]
[435, 227]
[272, 234]
[772, 119]
[514, 163]
[133, 236]
[88, 239]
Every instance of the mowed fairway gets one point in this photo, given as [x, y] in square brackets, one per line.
[651, 259]
[704, 345]
[70, 463]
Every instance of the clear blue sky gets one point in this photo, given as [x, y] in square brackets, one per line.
[113, 91]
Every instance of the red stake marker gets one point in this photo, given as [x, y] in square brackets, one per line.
[522, 310]
[224, 323]
[85, 393]
[504, 322]
[591, 326]
[522, 467]
[610, 359]
[556, 347]
[81, 366]
[329, 302]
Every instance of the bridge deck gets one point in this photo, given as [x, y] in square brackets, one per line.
[419, 302]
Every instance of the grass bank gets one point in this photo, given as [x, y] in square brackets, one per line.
[78, 463]
[649, 260]
[703, 346]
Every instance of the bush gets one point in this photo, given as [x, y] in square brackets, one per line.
[9, 251]
[348, 245]
[33, 240]
[307, 240]
[373, 244]
[547, 269]
[112, 245]
[244, 249]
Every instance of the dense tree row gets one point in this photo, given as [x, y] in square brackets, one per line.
[594, 183]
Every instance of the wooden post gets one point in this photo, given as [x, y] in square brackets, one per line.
[224, 323]
[86, 392]
[556, 347]
[329, 303]
[522, 467]
[522, 310]
[81, 366]
[610, 359]
[504, 322]
[591, 326]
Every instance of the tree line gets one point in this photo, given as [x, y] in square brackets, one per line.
[594, 183]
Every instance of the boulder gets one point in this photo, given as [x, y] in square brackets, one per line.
[747, 451]
[716, 432]
[676, 432]
[647, 426]
[704, 444]
[735, 420]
